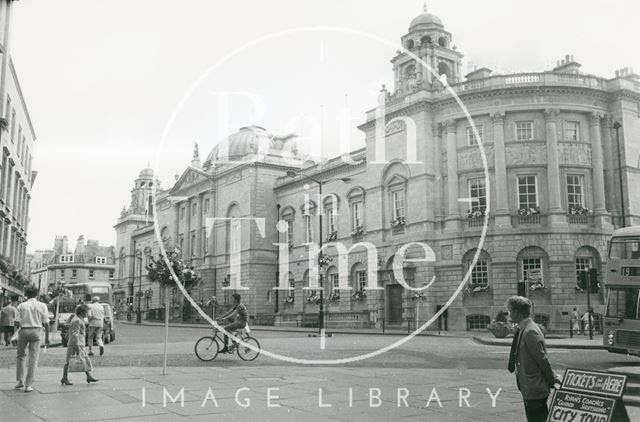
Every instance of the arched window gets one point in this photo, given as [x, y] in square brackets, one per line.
[233, 229]
[532, 269]
[288, 215]
[410, 44]
[442, 41]
[481, 272]
[410, 71]
[443, 69]
[330, 205]
[426, 39]
[308, 219]
[358, 277]
[333, 278]
[356, 205]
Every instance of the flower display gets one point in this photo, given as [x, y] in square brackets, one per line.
[358, 230]
[289, 299]
[537, 286]
[332, 236]
[579, 210]
[158, 271]
[399, 221]
[476, 214]
[334, 296]
[314, 298]
[360, 295]
[324, 260]
[529, 210]
[418, 296]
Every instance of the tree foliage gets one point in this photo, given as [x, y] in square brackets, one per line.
[158, 272]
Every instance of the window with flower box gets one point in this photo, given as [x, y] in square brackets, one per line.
[398, 206]
[356, 215]
[527, 192]
[361, 280]
[332, 221]
[478, 195]
[575, 197]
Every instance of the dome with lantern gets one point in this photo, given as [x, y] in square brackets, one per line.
[425, 19]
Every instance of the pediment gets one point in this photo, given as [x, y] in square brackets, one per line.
[396, 179]
[190, 177]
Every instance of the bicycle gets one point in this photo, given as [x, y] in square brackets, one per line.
[207, 347]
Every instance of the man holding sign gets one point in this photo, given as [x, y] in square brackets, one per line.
[528, 359]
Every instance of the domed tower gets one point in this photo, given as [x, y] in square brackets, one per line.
[141, 194]
[428, 40]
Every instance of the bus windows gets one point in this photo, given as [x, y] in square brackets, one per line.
[623, 303]
[624, 248]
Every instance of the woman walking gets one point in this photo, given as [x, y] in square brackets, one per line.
[76, 341]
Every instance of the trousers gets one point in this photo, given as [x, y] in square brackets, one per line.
[28, 341]
[536, 410]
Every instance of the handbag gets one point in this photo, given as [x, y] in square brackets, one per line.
[80, 362]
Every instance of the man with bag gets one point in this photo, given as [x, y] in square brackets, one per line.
[77, 360]
[32, 316]
[96, 324]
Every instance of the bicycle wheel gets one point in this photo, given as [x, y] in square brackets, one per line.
[247, 353]
[207, 348]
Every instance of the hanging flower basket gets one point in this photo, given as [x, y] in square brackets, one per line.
[139, 293]
[418, 296]
[324, 260]
[289, 299]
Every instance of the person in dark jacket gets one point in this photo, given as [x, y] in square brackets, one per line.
[529, 360]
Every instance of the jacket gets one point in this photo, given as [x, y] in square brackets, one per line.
[533, 371]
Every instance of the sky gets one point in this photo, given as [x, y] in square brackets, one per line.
[112, 86]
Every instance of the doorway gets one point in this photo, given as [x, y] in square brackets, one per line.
[394, 302]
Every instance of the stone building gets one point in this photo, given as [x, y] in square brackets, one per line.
[17, 138]
[561, 155]
[88, 262]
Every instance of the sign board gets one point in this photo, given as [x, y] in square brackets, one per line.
[601, 383]
[589, 396]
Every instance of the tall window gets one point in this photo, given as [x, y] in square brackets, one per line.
[182, 213]
[331, 219]
[74, 273]
[193, 245]
[478, 194]
[397, 203]
[527, 192]
[524, 131]
[361, 280]
[62, 273]
[356, 214]
[335, 281]
[583, 264]
[289, 231]
[575, 199]
[206, 205]
[308, 228]
[181, 242]
[572, 131]
[480, 273]
[471, 136]
[194, 209]
[234, 239]
[13, 125]
[19, 149]
[532, 270]
[205, 244]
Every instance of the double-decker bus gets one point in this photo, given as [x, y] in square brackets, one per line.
[85, 291]
[622, 279]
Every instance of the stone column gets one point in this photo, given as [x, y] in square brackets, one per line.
[176, 227]
[187, 231]
[597, 162]
[556, 214]
[611, 189]
[452, 221]
[502, 216]
[437, 171]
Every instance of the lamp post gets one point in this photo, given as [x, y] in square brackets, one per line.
[139, 294]
[292, 173]
[617, 126]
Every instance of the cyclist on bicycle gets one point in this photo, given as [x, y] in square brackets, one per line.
[240, 312]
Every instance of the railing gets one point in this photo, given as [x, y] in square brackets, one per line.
[529, 219]
[539, 79]
[475, 222]
[347, 316]
[577, 219]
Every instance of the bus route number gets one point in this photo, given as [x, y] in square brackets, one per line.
[630, 271]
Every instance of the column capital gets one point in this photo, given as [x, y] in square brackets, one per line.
[595, 117]
[551, 114]
[449, 126]
[497, 117]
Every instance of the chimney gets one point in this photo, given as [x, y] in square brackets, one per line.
[80, 246]
[567, 65]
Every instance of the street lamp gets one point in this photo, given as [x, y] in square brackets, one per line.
[617, 126]
[292, 173]
[139, 294]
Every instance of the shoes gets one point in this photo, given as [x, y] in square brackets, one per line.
[101, 350]
[90, 353]
[90, 379]
[224, 350]
[19, 386]
[28, 389]
[65, 381]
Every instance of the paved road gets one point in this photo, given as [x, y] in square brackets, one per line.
[447, 364]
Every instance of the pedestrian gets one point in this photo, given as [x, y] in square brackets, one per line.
[587, 320]
[575, 321]
[7, 319]
[528, 359]
[32, 316]
[75, 343]
[96, 324]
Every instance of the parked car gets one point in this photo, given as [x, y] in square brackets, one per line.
[108, 329]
